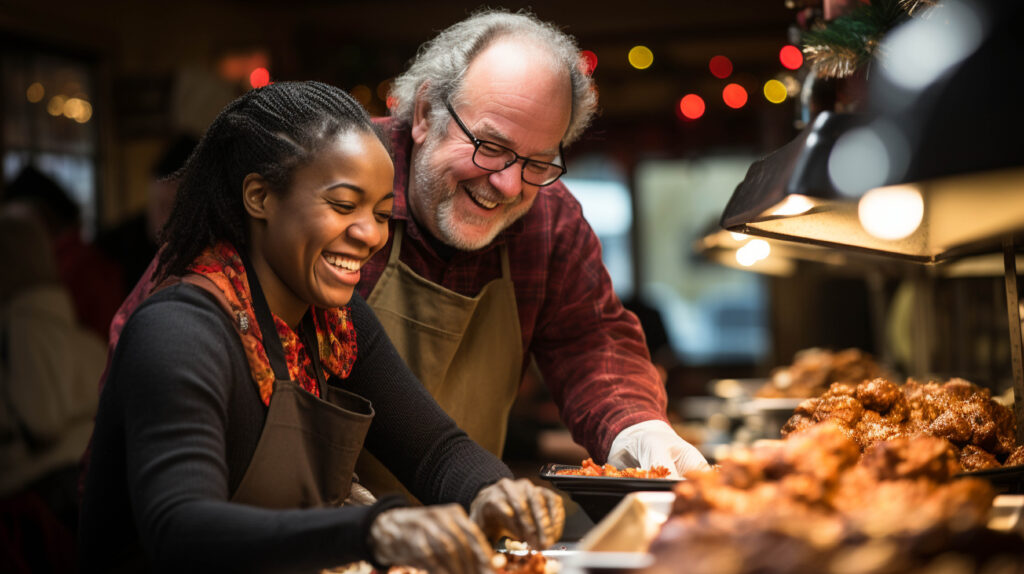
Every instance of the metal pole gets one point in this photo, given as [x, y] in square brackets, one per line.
[1016, 346]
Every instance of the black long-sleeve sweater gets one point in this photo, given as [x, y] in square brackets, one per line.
[178, 422]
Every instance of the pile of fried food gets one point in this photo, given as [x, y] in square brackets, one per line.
[590, 468]
[981, 431]
[814, 503]
[813, 370]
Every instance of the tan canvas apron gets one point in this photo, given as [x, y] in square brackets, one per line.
[307, 451]
[467, 351]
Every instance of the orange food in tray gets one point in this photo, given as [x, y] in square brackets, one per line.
[590, 468]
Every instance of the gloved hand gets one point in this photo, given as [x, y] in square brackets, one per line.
[359, 495]
[433, 538]
[521, 510]
[651, 443]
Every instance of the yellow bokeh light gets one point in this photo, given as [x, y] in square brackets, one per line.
[72, 108]
[35, 92]
[775, 91]
[85, 114]
[641, 57]
[55, 106]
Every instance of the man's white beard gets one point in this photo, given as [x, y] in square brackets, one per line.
[437, 199]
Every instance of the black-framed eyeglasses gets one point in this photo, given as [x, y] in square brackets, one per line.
[496, 157]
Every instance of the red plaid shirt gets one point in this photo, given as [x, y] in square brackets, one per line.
[589, 348]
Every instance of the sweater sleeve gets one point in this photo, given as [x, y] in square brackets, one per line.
[590, 349]
[163, 415]
[414, 438]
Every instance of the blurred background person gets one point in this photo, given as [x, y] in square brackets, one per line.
[49, 365]
[93, 279]
[133, 243]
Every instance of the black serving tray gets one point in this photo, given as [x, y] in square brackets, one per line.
[598, 495]
[1006, 480]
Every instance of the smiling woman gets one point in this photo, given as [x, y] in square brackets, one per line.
[249, 375]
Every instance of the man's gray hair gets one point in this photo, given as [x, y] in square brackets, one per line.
[440, 64]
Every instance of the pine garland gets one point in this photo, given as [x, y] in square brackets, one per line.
[842, 46]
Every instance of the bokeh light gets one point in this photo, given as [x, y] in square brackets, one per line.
[791, 57]
[362, 94]
[55, 106]
[720, 66]
[691, 106]
[35, 92]
[641, 57]
[384, 88]
[775, 91]
[734, 96]
[891, 212]
[259, 77]
[589, 60]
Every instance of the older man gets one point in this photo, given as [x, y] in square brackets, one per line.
[490, 260]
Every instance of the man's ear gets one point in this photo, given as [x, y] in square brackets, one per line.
[421, 116]
[255, 190]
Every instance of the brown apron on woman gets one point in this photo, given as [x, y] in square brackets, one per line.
[467, 351]
[308, 448]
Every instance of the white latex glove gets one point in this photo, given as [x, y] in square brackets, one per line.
[654, 443]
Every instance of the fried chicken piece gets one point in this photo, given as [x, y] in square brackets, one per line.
[976, 458]
[813, 370]
[879, 410]
[1016, 457]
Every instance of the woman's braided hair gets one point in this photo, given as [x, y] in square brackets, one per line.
[269, 131]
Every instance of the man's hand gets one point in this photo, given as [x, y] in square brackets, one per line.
[433, 538]
[654, 443]
[520, 510]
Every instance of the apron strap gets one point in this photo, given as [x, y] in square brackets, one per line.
[506, 268]
[396, 245]
[271, 340]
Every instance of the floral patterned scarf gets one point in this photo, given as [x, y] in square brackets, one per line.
[335, 333]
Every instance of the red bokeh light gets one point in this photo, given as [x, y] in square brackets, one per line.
[589, 61]
[259, 77]
[720, 66]
[691, 106]
[734, 96]
[791, 57]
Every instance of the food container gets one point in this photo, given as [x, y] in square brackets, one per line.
[620, 541]
[598, 495]
[1006, 480]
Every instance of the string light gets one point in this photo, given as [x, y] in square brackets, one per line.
[691, 106]
[259, 77]
[775, 91]
[720, 66]
[589, 61]
[734, 96]
[791, 57]
[641, 57]
[35, 92]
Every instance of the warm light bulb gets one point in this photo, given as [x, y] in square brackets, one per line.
[35, 92]
[746, 256]
[641, 57]
[891, 212]
[760, 248]
[793, 205]
[775, 91]
[738, 236]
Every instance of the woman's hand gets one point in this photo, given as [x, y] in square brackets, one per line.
[520, 510]
[434, 538]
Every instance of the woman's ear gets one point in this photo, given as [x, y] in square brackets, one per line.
[421, 116]
[254, 195]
